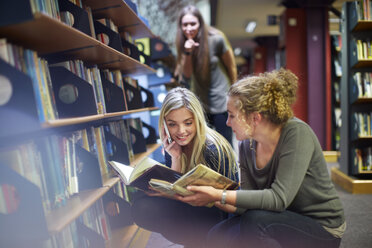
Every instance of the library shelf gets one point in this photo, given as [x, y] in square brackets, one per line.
[114, 9]
[349, 183]
[73, 43]
[85, 119]
[362, 25]
[77, 204]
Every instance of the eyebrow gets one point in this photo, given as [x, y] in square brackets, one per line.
[191, 118]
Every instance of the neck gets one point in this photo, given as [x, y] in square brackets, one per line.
[268, 136]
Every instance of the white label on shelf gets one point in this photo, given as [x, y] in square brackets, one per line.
[6, 90]
[68, 93]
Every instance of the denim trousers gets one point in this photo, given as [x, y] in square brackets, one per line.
[218, 121]
[178, 222]
[267, 229]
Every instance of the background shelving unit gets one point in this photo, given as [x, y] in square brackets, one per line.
[355, 168]
[50, 37]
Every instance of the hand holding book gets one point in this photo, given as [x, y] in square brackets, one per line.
[167, 181]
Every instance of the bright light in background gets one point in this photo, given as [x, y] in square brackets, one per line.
[250, 26]
[205, 9]
[237, 51]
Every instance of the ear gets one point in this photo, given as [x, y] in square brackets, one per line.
[257, 117]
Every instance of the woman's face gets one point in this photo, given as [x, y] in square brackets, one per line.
[190, 26]
[181, 125]
[237, 121]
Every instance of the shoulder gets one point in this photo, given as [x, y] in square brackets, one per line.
[296, 124]
[298, 130]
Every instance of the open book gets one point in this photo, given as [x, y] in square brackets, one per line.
[150, 173]
[140, 175]
[200, 175]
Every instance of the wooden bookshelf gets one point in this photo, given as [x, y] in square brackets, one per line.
[114, 10]
[73, 43]
[331, 156]
[351, 184]
[85, 119]
[76, 205]
[363, 63]
[362, 26]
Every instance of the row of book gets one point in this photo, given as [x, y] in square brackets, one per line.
[363, 9]
[91, 226]
[364, 85]
[364, 49]
[103, 29]
[361, 124]
[363, 159]
[54, 93]
[63, 165]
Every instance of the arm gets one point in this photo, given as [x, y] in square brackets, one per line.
[186, 60]
[228, 60]
[292, 163]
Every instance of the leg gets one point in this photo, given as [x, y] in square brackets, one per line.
[224, 234]
[283, 229]
[178, 222]
[218, 121]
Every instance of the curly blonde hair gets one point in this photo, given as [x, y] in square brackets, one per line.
[271, 94]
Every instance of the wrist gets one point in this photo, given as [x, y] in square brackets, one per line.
[223, 197]
[187, 53]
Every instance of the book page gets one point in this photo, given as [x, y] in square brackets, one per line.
[168, 188]
[203, 175]
[124, 171]
[144, 165]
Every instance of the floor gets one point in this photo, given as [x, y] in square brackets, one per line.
[358, 214]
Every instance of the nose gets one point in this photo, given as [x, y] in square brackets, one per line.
[228, 122]
[181, 129]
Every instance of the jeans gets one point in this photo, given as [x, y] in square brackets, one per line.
[218, 121]
[264, 229]
[178, 222]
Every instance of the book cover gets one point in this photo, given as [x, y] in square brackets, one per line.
[140, 175]
[201, 175]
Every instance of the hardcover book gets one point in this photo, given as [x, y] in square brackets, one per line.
[151, 175]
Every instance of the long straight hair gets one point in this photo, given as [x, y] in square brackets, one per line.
[200, 55]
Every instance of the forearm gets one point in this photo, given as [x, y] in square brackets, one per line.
[176, 164]
[187, 65]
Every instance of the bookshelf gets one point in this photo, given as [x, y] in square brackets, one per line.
[336, 73]
[356, 104]
[39, 156]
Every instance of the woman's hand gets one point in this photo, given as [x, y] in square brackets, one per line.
[173, 149]
[203, 195]
[190, 44]
[225, 207]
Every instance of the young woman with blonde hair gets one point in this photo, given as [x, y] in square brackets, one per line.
[193, 142]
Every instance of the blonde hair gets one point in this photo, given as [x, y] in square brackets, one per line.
[181, 97]
[271, 94]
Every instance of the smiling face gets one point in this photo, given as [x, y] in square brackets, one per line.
[190, 26]
[237, 121]
[181, 125]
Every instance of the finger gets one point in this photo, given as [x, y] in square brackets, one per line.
[196, 44]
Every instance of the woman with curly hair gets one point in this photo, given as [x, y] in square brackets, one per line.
[287, 198]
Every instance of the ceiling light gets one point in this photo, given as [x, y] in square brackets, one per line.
[250, 26]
